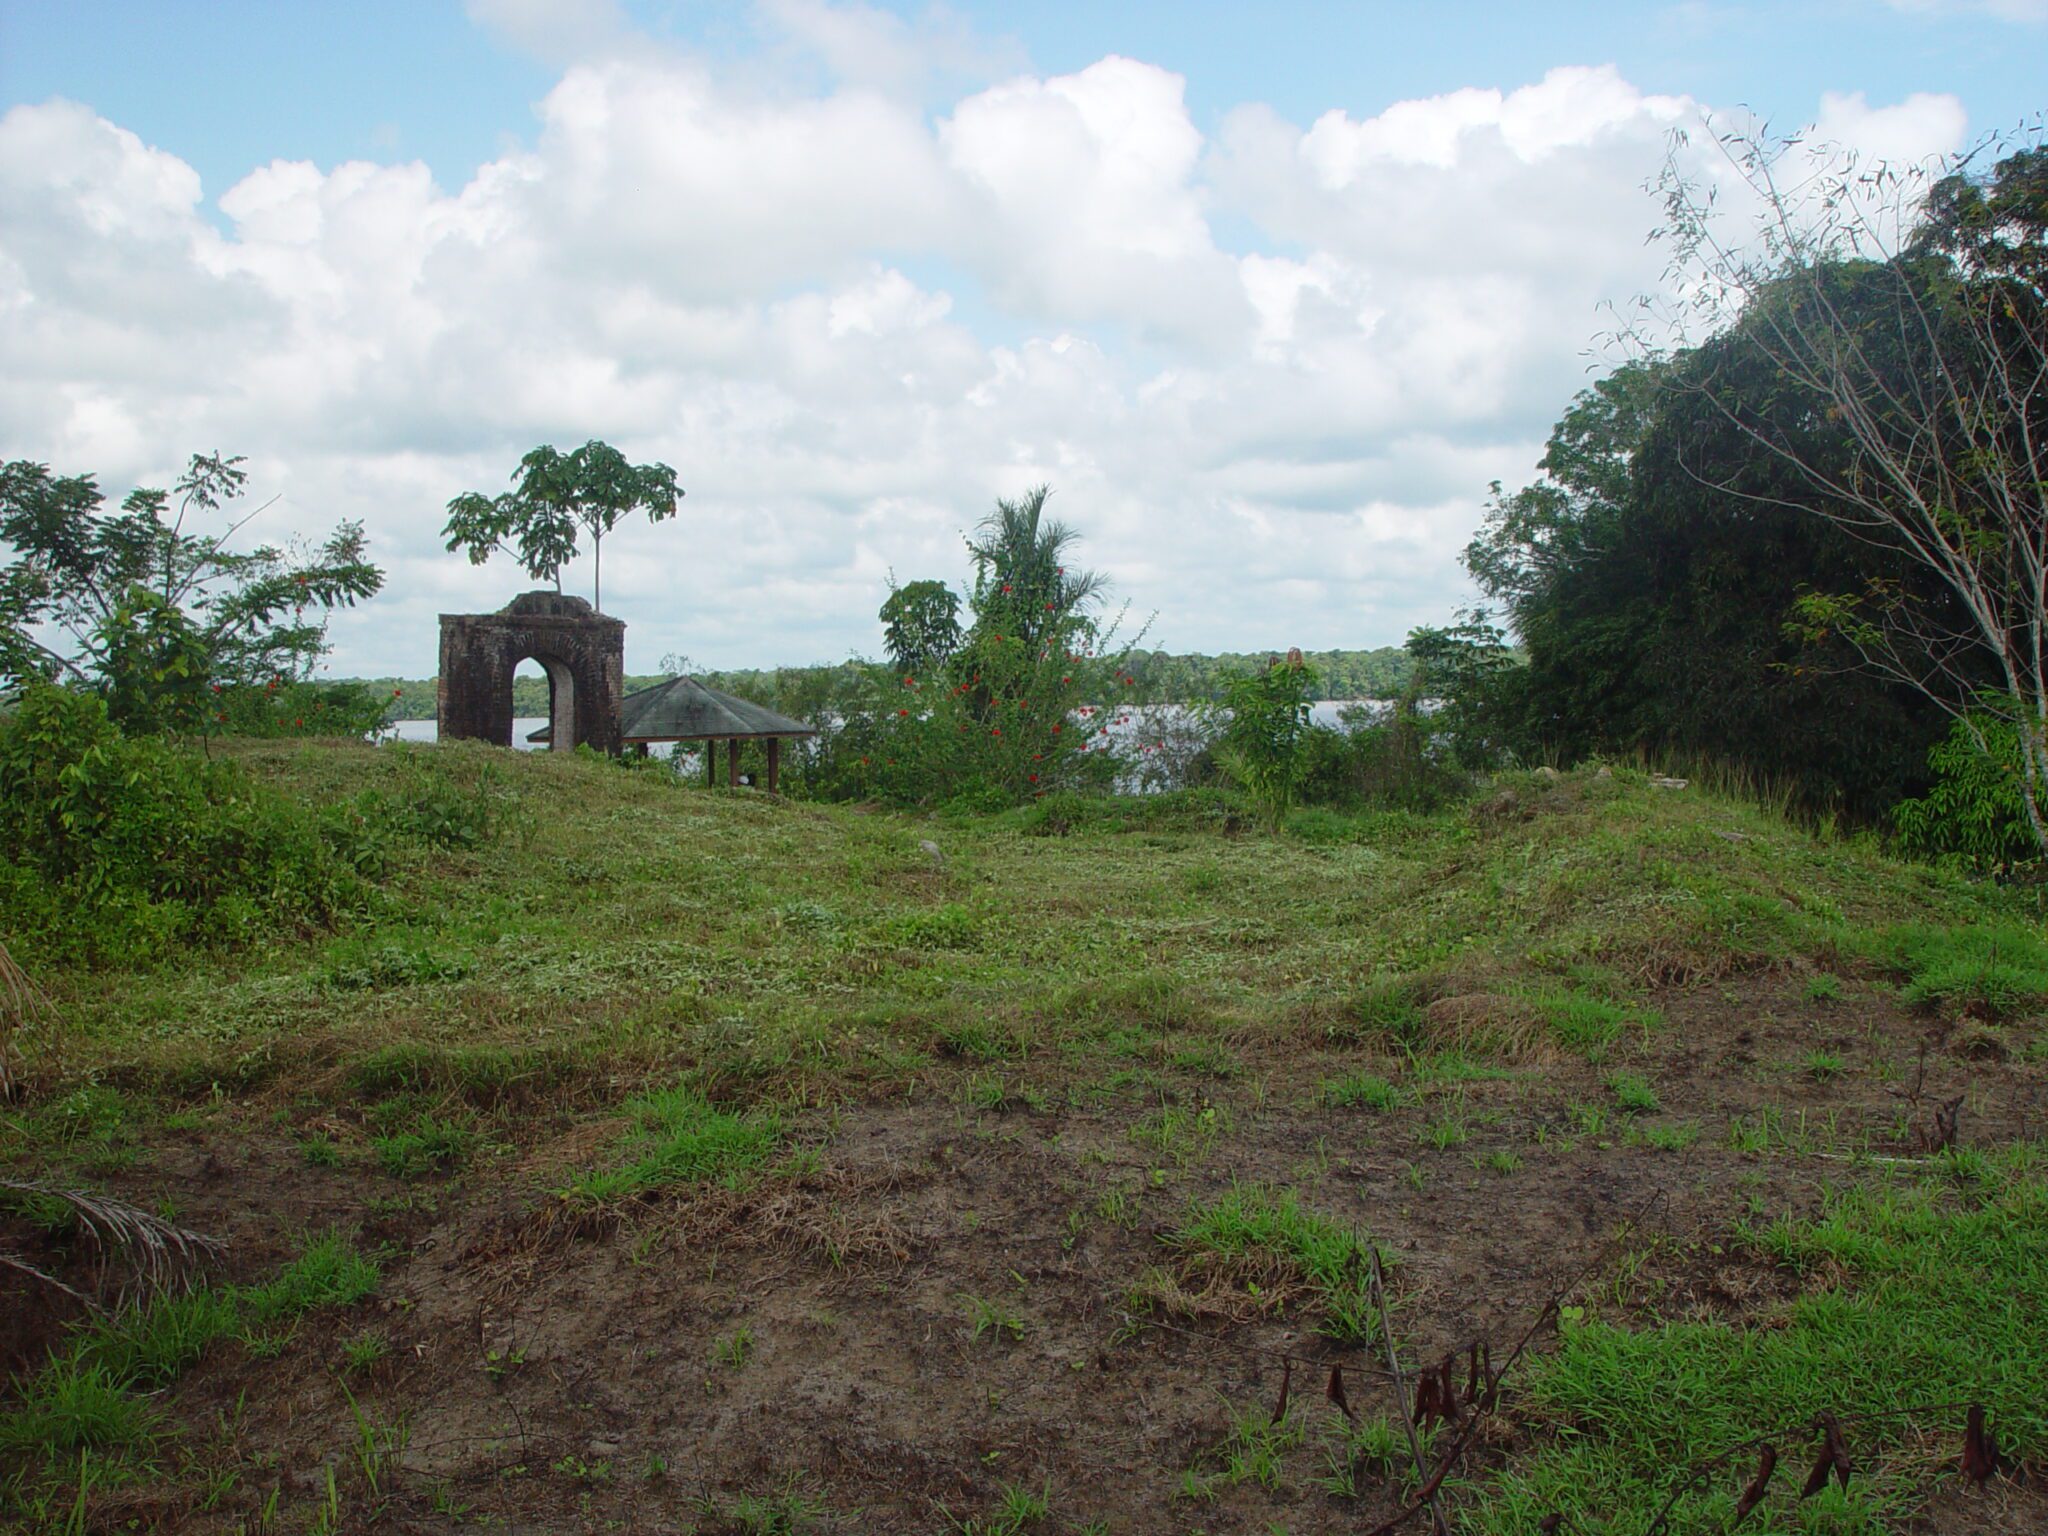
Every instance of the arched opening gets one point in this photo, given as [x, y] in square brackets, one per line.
[561, 700]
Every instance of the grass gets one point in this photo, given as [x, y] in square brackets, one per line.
[692, 985]
[1268, 1242]
[93, 1395]
[682, 1138]
[1361, 1090]
[1943, 1299]
[1995, 967]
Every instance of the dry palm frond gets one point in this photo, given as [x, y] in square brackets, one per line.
[20, 1001]
[138, 1254]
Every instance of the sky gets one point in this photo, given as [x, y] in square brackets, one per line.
[1267, 295]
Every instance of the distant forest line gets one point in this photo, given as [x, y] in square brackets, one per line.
[1162, 677]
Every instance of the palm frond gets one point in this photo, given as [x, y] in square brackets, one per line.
[137, 1254]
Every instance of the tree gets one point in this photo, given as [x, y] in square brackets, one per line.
[553, 496]
[1471, 672]
[1264, 744]
[1903, 319]
[153, 615]
[920, 626]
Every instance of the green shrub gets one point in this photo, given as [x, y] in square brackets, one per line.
[1976, 810]
[123, 849]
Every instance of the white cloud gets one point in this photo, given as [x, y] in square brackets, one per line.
[850, 324]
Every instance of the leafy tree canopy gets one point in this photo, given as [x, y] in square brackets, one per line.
[153, 609]
[556, 497]
[920, 626]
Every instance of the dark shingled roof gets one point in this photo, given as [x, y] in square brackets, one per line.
[683, 709]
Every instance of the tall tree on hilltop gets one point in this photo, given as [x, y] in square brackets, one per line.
[555, 495]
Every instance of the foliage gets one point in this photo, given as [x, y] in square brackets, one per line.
[1021, 708]
[1901, 334]
[156, 617]
[1264, 745]
[920, 626]
[1975, 810]
[1649, 576]
[555, 495]
[130, 848]
[1931, 1301]
[1471, 674]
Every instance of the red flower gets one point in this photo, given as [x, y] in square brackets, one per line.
[1006, 588]
[1055, 730]
[301, 720]
[910, 682]
[1066, 679]
[863, 762]
[1034, 778]
[902, 712]
[1048, 607]
[995, 730]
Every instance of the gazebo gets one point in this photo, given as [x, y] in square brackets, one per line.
[683, 709]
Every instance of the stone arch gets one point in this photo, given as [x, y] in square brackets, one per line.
[582, 652]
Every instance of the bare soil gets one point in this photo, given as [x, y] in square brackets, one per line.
[559, 1372]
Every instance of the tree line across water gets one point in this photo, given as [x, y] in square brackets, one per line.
[1163, 677]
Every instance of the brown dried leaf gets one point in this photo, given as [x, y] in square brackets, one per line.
[1980, 1449]
[1286, 1385]
[1837, 1447]
[1759, 1485]
[1333, 1389]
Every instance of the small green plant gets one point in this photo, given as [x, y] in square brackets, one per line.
[1823, 988]
[734, 1350]
[1361, 1090]
[1669, 1138]
[364, 1352]
[320, 1150]
[578, 1470]
[1822, 1066]
[1182, 1134]
[1359, 1458]
[1268, 1240]
[429, 1145]
[683, 1139]
[1632, 1095]
[991, 1318]
[1502, 1161]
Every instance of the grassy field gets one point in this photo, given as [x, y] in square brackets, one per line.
[659, 1158]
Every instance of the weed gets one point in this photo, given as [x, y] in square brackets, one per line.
[1502, 1161]
[364, 1352]
[1632, 1095]
[985, 1317]
[1361, 1090]
[1823, 988]
[1263, 1237]
[734, 1350]
[683, 1139]
[1181, 1134]
[1822, 1066]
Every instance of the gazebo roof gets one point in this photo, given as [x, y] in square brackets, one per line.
[683, 709]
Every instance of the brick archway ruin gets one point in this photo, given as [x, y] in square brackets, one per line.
[582, 651]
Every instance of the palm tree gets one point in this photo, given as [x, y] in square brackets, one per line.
[1020, 569]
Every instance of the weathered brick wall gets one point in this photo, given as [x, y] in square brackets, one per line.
[583, 653]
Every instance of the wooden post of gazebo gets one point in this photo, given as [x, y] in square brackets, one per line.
[711, 764]
[774, 761]
[732, 763]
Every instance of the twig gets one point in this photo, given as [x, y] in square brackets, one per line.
[1379, 1296]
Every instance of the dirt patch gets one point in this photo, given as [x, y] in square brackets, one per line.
[948, 1303]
